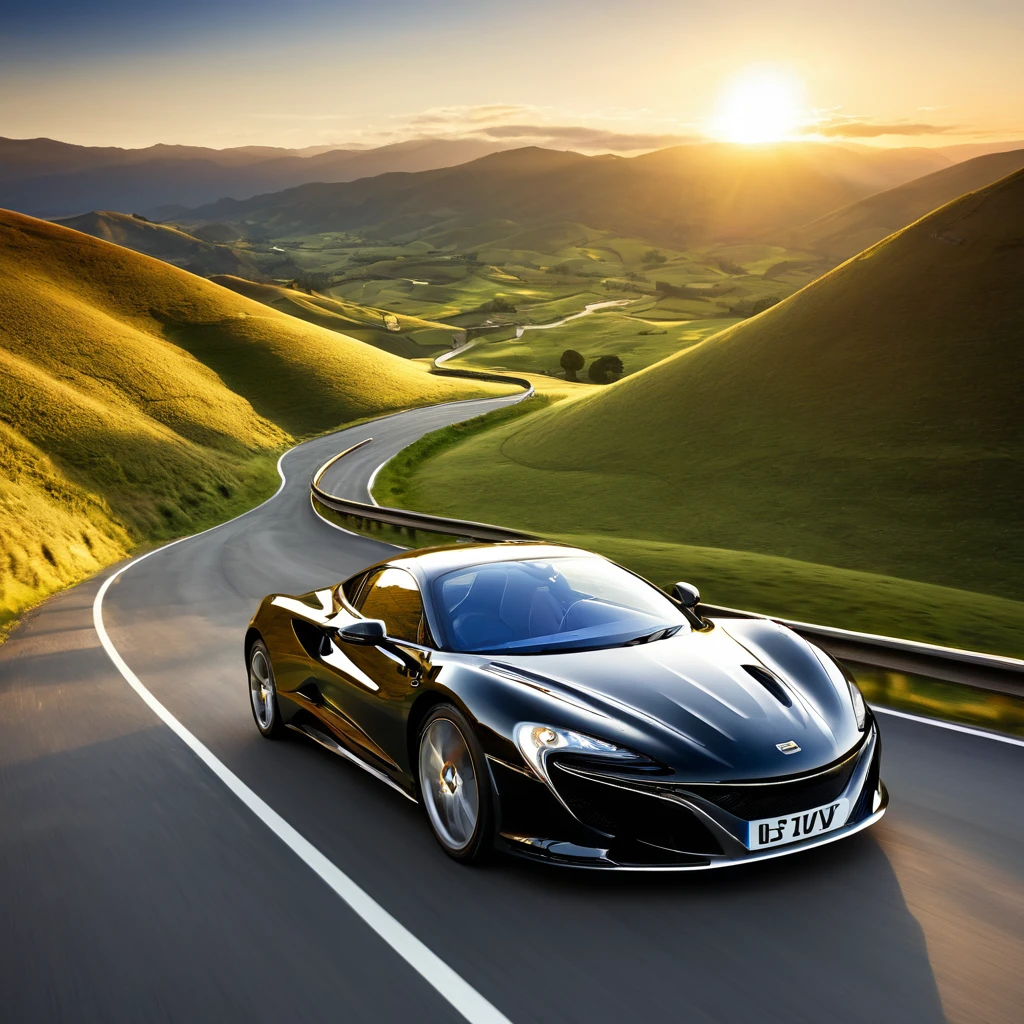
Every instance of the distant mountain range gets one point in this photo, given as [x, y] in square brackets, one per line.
[677, 196]
[46, 178]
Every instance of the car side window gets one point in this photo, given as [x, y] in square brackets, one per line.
[392, 595]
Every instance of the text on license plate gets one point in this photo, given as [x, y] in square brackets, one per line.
[790, 828]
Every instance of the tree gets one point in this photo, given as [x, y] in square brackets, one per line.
[605, 369]
[572, 362]
[653, 256]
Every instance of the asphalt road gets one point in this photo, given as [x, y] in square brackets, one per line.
[136, 887]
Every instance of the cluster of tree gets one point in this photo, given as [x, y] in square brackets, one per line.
[678, 291]
[751, 307]
[138, 216]
[729, 267]
[603, 370]
[621, 286]
[653, 256]
[310, 283]
[499, 304]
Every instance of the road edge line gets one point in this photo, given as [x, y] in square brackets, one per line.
[442, 978]
[952, 726]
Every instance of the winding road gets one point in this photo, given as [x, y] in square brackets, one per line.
[141, 882]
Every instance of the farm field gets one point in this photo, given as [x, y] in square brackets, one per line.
[671, 299]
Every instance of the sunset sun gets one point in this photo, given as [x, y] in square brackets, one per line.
[759, 106]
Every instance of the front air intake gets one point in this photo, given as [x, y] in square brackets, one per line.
[771, 684]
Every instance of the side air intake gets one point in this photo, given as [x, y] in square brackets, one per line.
[771, 684]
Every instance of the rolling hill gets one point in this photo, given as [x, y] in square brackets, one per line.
[408, 336]
[679, 196]
[855, 453]
[172, 245]
[139, 402]
[847, 231]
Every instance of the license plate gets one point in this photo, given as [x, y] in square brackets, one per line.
[793, 827]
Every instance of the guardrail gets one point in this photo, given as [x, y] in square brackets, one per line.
[403, 518]
[971, 668]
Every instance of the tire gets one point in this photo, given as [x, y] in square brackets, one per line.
[263, 693]
[455, 785]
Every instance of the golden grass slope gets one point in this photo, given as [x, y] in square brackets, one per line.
[408, 336]
[164, 242]
[139, 402]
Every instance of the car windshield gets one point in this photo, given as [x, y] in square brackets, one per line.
[570, 603]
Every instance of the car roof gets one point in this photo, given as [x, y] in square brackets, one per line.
[434, 562]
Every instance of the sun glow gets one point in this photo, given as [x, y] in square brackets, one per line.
[759, 106]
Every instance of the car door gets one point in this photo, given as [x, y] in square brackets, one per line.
[372, 687]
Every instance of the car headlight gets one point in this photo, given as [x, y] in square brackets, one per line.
[534, 741]
[860, 708]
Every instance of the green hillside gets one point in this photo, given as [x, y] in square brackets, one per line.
[843, 233]
[861, 433]
[408, 336]
[139, 402]
[165, 243]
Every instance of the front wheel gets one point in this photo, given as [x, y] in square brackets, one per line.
[263, 692]
[455, 785]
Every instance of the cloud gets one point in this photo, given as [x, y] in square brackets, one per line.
[866, 129]
[525, 125]
[463, 117]
[583, 137]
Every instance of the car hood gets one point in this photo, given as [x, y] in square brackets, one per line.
[691, 702]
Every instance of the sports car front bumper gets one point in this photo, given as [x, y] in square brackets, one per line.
[609, 821]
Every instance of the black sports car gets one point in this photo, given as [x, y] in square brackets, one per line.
[544, 700]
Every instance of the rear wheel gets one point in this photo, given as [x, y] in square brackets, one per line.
[263, 693]
[455, 785]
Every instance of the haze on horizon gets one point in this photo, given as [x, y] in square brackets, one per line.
[593, 76]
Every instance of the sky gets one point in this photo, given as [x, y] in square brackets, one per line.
[592, 75]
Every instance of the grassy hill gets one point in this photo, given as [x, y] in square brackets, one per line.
[678, 196]
[408, 336]
[843, 233]
[854, 454]
[165, 243]
[139, 402]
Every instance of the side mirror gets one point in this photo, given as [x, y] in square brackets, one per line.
[686, 594]
[368, 632]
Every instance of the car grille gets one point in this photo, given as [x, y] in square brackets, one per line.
[629, 815]
[753, 801]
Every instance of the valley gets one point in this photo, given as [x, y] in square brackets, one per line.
[696, 314]
[846, 455]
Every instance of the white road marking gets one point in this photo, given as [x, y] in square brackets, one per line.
[998, 737]
[459, 993]
[372, 480]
